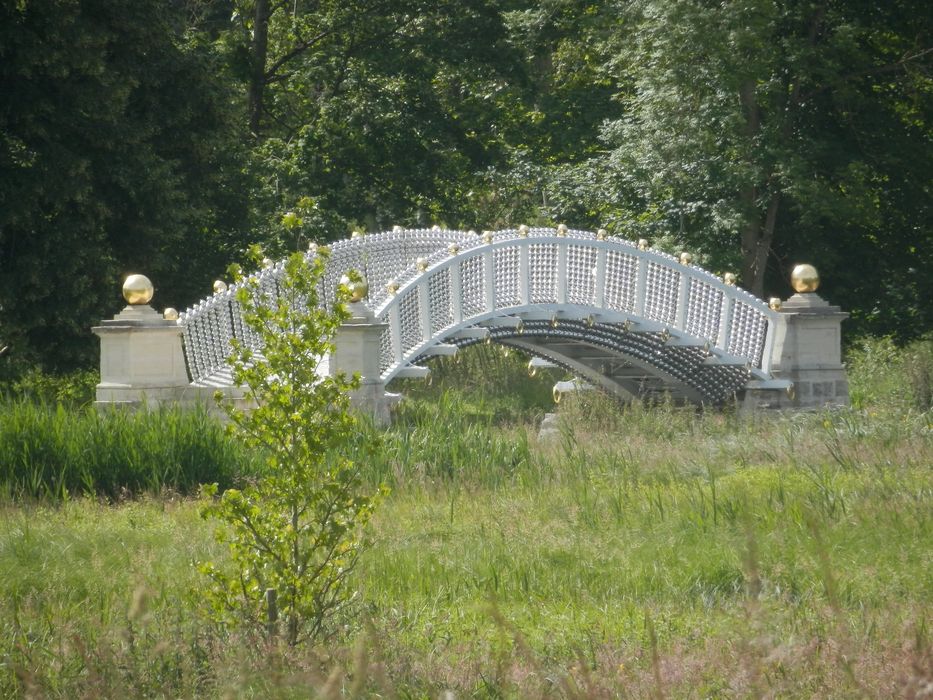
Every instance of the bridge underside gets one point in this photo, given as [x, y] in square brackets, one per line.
[630, 365]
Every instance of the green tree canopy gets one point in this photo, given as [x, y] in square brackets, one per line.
[116, 156]
[768, 132]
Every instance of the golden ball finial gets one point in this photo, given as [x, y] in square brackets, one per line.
[487, 236]
[523, 231]
[453, 249]
[686, 258]
[562, 230]
[137, 289]
[392, 287]
[170, 314]
[421, 264]
[775, 303]
[804, 279]
[219, 286]
[602, 234]
[729, 278]
[642, 244]
[358, 288]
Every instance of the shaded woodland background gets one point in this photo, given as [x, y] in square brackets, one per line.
[164, 137]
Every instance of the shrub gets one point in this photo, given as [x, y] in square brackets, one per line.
[74, 389]
[294, 535]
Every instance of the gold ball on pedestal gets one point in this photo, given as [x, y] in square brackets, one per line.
[804, 279]
[137, 289]
[359, 288]
[170, 314]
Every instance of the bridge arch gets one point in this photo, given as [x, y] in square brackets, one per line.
[634, 321]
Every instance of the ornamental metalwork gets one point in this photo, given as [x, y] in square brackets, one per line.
[635, 321]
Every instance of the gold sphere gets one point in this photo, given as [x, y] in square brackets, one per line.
[562, 230]
[267, 263]
[421, 264]
[523, 231]
[487, 236]
[356, 234]
[804, 279]
[686, 258]
[219, 286]
[642, 244]
[137, 289]
[359, 288]
[397, 229]
[392, 287]
[435, 227]
[774, 303]
[453, 249]
[170, 314]
[602, 234]
[729, 279]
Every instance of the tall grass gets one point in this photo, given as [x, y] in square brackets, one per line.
[782, 557]
[886, 377]
[52, 451]
[642, 552]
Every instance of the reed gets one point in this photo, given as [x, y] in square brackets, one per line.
[51, 451]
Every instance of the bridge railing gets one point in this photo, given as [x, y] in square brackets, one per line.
[212, 323]
[522, 270]
[444, 280]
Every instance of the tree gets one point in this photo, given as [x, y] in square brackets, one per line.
[761, 130]
[379, 111]
[117, 155]
[297, 530]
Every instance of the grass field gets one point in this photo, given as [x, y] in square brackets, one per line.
[645, 553]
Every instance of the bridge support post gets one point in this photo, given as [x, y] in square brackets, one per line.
[808, 351]
[141, 359]
[358, 349]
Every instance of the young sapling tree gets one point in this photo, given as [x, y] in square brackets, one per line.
[295, 534]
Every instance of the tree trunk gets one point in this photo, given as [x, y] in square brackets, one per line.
[756, 235]
[257, 81]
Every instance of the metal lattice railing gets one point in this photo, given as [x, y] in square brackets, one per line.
[511, 274]
[429, 284]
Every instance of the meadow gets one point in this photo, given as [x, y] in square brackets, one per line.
[642, 552]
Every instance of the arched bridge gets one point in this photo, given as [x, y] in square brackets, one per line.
[635, 321]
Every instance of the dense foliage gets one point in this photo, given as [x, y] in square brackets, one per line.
[162, 137]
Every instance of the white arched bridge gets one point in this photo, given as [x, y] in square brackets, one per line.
[634, 321]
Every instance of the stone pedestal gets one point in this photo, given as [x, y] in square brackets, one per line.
[808, 351]
[357, 350]
[141, 359]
